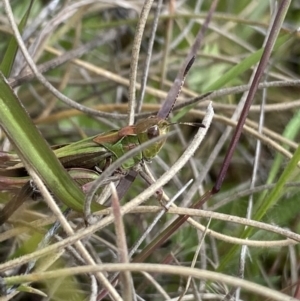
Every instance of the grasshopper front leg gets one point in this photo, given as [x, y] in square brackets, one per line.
[146, 175]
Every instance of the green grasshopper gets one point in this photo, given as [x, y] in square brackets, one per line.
[95, 154]
[99, 150]
[91, 155]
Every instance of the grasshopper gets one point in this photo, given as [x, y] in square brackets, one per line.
[92, 155]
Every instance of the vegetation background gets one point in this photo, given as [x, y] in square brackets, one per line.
[99, 79]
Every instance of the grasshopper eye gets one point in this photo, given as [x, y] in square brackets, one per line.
[153, 132]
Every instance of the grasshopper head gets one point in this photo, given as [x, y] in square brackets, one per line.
[149, 128]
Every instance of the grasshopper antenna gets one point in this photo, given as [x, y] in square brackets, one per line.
[194, 124]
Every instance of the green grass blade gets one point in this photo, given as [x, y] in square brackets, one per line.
[270, 200]
[12, 48]
[277, 191]
[234, 72]
[35, 151]
[245, 65]
[290, 132]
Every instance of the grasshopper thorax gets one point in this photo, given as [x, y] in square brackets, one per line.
[148, 129]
